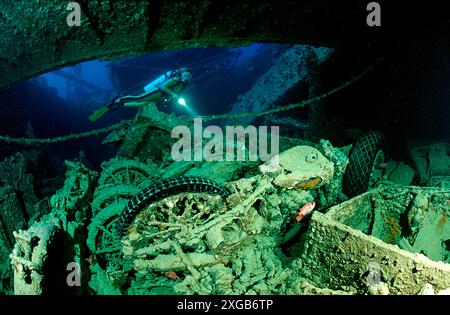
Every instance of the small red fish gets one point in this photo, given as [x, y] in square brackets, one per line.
[305, 210]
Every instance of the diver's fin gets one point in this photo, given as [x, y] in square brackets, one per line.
[99, 113]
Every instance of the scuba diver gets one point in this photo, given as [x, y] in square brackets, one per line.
[165, 87]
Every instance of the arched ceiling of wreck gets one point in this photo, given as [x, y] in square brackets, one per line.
[36, 38]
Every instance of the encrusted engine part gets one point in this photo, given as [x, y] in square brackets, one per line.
[30, 258]
[196, 222]
[224, 171]
[176, 227]
[76, 191]
[168, 263]
[257, 270]
[301, 167]
[177, 168]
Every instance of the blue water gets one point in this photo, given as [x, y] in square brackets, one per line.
[93, 71]
[52, 105]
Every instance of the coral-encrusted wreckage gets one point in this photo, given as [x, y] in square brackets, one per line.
[315, 219]
[392, 239]
[145, 224]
